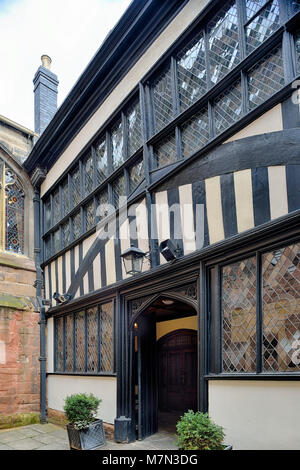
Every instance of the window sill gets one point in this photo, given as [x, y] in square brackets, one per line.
[254, 376]
[84, 374]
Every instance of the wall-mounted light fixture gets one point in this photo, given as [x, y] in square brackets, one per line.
[133, 257]
[167, 301]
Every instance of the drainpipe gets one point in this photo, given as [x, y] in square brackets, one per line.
[42, 322]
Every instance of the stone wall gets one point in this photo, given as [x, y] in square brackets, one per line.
[19, 340]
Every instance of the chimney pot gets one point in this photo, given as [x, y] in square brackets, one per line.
[46, 61]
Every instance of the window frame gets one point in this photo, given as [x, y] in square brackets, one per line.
[85, 373]
[214, 316]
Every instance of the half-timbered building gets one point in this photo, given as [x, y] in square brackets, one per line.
[179, 143]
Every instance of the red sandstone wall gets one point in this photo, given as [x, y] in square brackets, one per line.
[19, 364]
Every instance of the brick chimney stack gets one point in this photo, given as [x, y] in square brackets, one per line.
[45, 95]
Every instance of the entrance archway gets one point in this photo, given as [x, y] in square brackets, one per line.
[165, 363]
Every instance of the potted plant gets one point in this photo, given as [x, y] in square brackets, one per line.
[196, 431]
[85, 431]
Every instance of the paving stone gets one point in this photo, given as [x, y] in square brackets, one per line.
[11, 436]
[44, 428]
[46, 438]
[55, 446]
[5, 447]
[60, 433]
[25, 444]
[28, 432]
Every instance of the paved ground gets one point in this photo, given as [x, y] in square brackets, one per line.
[52, 437]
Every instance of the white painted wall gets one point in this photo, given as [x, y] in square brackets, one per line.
[257, 415]
[60, 386]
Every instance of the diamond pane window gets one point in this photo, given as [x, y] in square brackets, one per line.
[76, 196]
[56, 206]
[191, 71]
[252, 7]
[134, 124]
[59, 344]
[92, 339]
[239, 316]
[117, 145]
[47, 247]
[14, 214]
[107, 337]
[119, 194]
[265, 78]
[224, 51]
[65, 197]
[80, 341]
[165, 152]
[101, 159]
[89, 216]
[76, 221]
[263, 26]
[102, 205]
[295, 7]
[65, 231]
[88, 175]
[136, 175]
[47, 214]
[69, 365]
[162, 99]
[228, 108]
[195, 133]
[56, 241]
[281, 309]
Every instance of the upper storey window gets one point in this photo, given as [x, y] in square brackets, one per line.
[11, 211]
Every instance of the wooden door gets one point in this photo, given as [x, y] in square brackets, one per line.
[177, 359]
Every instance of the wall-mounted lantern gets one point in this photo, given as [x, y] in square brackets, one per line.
[133, 259]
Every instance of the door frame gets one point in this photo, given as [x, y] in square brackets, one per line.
[130, 306]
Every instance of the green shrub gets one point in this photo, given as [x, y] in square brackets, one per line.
[196, 431]
[81, 409]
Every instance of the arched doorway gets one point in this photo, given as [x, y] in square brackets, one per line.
[165, 364]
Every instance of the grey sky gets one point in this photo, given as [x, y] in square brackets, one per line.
[69, 31]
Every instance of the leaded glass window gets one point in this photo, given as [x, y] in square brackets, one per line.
[102, 205]
[195, 133]
[88, 174]
[65, 197]
[239, 316]
[107, 337]
[134, 128]
[117, 145]
[65, 231]
[119, 193]
[281, 309]
[84, 341]
[297, 40]
[191, 71]
[295, 7]
[47, 214]
[165, 151]
[262, 26]
[162, 99]
[253, 6]
[11, 210]
[89, 215]
[136, 175]
[48, 247]
[101, 160]
[56, 206]
[76, 187]
[76, 221]
[56, 241]
[224, 49]
[228, 108]
[265, 78]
